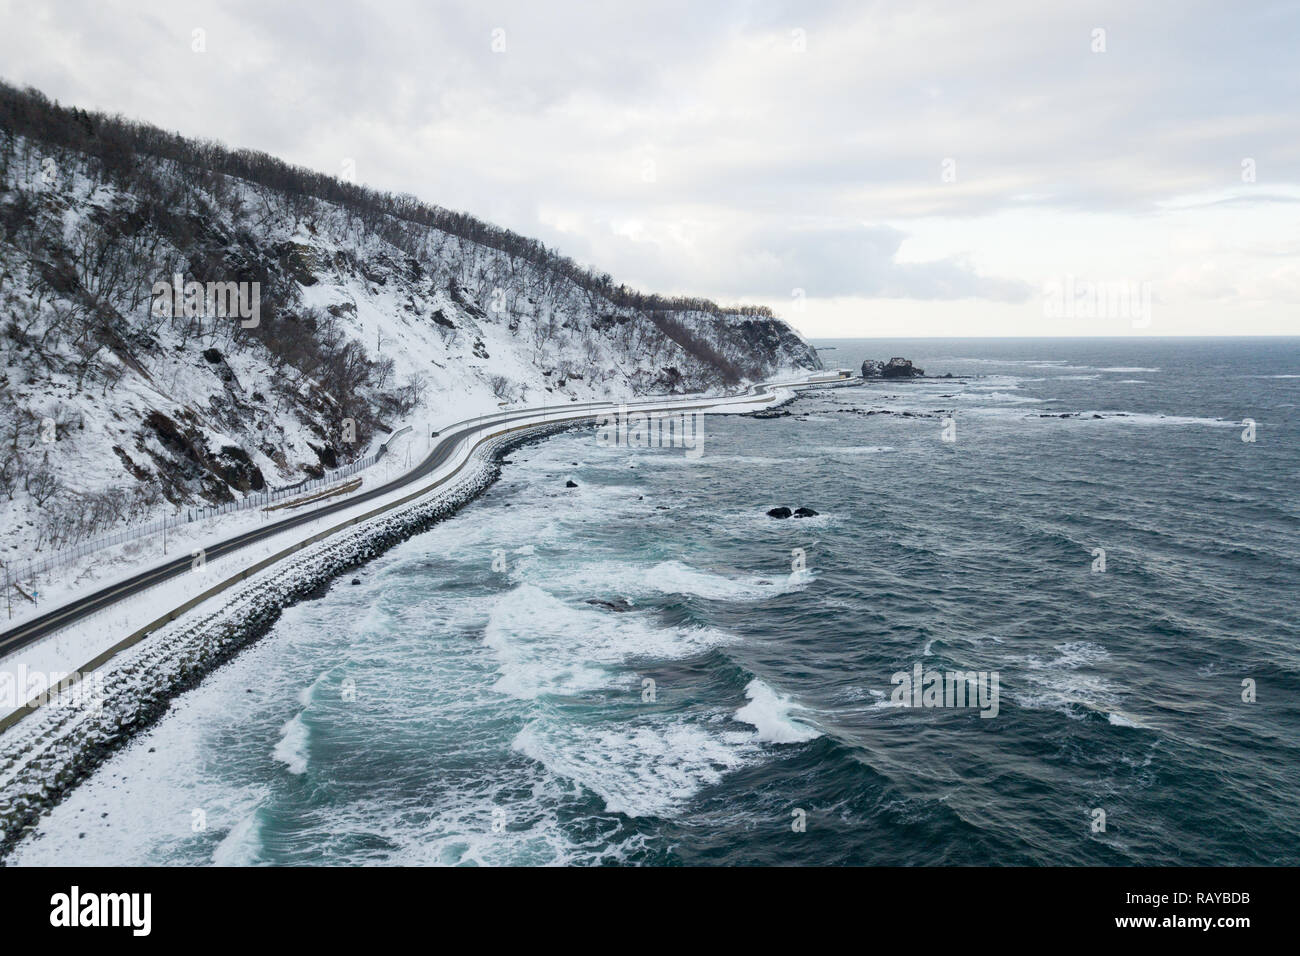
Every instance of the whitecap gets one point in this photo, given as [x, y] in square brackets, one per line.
[242, 845]
[544, 646]
[1121, 719]
[669, 458]
[292, 748]
[1058, 683]
[1149, 418]
[1008, 397]
[651, 769]
[855, 449]
[674, 577]
[770, 712]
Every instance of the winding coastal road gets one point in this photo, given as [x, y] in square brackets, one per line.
[483, 427]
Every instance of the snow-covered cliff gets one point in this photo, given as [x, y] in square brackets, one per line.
[371, 310]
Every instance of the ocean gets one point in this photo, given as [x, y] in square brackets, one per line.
[1079, 519]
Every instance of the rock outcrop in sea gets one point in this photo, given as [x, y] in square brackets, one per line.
[894, 368]
[784, 512]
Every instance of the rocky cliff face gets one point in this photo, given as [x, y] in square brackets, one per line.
[118, 399]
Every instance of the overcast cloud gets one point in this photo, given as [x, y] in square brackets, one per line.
[910, 167]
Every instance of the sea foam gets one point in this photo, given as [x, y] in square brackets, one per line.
[770, 712]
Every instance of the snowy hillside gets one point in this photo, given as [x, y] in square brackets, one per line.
[372, 311]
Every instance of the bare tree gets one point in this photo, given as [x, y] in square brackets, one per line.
[42, 484]
[11, 468]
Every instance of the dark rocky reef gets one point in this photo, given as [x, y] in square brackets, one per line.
[784, 512]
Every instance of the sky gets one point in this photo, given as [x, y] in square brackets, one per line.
[866, 169]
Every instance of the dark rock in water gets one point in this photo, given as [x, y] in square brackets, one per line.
[894, 368]
[781, 512]
[901, 368]
[661, 507]
[356, 580]
[804, 513]
[771, 413]
[618, 604]
[570, 484]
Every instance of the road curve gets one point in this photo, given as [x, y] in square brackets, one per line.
[69, 614]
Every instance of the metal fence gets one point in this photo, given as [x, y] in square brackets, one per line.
[28, 570]
[108, 609]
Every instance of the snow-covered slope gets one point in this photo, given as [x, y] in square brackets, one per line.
[373, 311]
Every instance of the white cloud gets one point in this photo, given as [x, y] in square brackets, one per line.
[696, 148]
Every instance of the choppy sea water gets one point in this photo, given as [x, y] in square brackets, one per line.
[467, 704]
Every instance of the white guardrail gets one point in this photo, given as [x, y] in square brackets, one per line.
[28, 570]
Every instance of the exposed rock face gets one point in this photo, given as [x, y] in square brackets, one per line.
[804, 513]
[186, 463]
[894, 368]
[782, 512]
